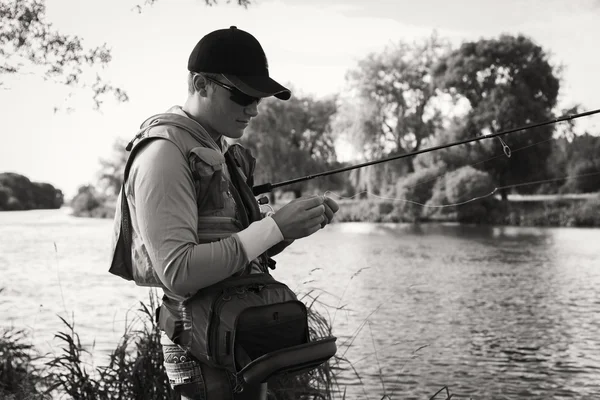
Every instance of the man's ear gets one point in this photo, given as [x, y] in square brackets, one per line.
[200, 84]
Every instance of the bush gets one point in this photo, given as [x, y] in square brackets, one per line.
[20, 378]
[135, 369]
[415, 190]
[5, 194]
[588, 214]
[463, 187]
[17, 192]
[582, 184]
[86, 202]
[46, 196]
[466, 184]
[14, 204]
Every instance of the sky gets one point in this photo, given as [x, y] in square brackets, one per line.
[310, 45]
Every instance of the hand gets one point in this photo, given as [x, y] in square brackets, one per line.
[301, 217]
[331, 207]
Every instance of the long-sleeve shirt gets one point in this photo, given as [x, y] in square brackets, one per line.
[161, 194]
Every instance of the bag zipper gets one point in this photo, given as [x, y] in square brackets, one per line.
[214, 321]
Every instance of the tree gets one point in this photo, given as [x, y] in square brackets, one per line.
[393, 111]
[508, 82]
[243, 3]
[28, 41]
[85, 201]
[573, 156]
[110, 177]
[5, 194]
[291, 139]
[30, 44]
[17, 192]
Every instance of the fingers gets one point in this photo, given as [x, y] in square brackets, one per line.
[327, 209]
[316, 223]
[315, 211]
[331, 203]
[312, 202]
[328, 213]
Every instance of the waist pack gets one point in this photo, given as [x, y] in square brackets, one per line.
[251, 325]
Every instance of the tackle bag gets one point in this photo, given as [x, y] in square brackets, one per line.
[251, 325]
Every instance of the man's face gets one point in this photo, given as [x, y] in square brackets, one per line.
[227, 117]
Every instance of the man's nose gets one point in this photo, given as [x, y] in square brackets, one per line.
[252, 109]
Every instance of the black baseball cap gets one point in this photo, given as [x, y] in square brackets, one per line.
[240, 58]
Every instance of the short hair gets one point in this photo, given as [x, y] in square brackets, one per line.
[190, 80]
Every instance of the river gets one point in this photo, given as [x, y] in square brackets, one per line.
[490, 312]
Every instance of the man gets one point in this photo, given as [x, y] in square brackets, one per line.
[185, 211]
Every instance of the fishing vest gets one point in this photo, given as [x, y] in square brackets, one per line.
[222, 183]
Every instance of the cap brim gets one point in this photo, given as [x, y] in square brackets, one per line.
[259, 86]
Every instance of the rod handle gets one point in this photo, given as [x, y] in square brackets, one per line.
[260, 189]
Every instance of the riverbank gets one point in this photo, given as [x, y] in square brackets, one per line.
[581, 210]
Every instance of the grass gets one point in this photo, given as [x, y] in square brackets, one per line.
[135, 368]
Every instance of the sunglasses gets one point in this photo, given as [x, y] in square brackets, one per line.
[237, 96]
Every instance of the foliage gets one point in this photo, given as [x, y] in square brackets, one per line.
[398, 86]
[243, 3]
[291, 139]
[584, 176]
[135, 369]
[20, 377]
[392, 111]
[112, 169]
[27, 40]
[508, 82]
[464, 185]
[414, 190]
[85, 200]
[588, 214]
[573, 156]
[5, 194]
[449, 158]
[89, 203]
[17, 192]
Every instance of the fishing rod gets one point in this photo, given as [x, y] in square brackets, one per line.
[267, 187]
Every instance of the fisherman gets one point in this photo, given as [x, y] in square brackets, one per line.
[185, 207]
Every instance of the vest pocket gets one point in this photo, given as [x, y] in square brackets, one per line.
[209, 181]
[213, 228]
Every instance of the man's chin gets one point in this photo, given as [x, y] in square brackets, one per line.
[234, 134]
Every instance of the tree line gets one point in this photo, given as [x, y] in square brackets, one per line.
[407, 97]
[416, 95]
[17, 192]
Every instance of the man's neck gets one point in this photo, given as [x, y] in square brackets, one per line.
[216, 136]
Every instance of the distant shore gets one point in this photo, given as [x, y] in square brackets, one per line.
[567, 210]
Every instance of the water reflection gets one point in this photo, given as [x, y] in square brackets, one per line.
[504, 311]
